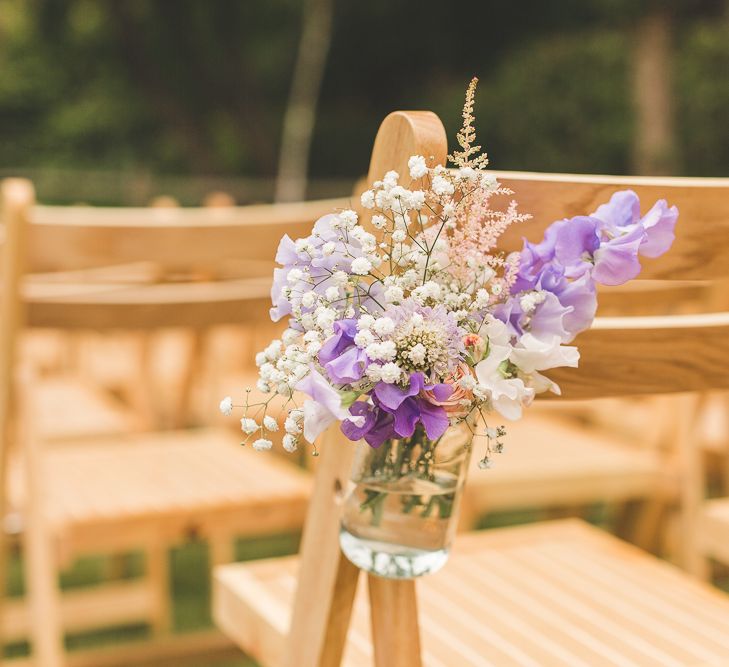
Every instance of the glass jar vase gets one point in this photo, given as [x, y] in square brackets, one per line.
[401, 512]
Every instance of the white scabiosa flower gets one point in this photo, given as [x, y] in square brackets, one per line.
[417, 166]
[262, 445]
[226, 406]
[248, 425]
[269, 423]
[361, 266]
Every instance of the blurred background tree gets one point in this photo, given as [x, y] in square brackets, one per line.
[134, 90]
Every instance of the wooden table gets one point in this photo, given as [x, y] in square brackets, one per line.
[555, 594]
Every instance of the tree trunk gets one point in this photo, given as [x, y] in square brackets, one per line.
[298, 124]
[654, 147]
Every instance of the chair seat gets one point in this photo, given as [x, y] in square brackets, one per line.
[714, 529]
[550, 461]
[122, 489]
[71, 409]
[558, 594]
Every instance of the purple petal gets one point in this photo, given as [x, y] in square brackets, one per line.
[349, 366]
[659, 225]
[616, 261]
[576, 240]
[622, 210]
[548, 318]
[434, 418]
[406, 417]
[392, 395]
[442, 392]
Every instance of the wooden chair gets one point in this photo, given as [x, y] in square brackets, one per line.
[544, 595]
[145, 490]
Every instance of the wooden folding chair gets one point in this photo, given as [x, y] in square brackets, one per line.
[547, 595]
[142, 490]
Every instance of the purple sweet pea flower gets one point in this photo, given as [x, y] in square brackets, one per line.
[409, 408]
[343, 361]
[378, 424]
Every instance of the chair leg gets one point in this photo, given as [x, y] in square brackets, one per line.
[158, 577]
[395, 628]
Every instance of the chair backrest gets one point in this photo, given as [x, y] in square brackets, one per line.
[620, 355]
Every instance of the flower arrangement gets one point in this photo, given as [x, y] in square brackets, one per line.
[409, 318]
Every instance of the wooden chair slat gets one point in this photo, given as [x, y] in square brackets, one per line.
[548, 595]
[701, 250]
[74, 238]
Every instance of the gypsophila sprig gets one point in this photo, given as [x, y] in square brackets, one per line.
[427, 322]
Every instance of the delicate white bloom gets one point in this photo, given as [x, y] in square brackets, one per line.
[269, 423]
[260, 358]
[340, 278]
[530, 300]
[248, 425]
[379, 221]
[365, 321]
[294, 276]
[367, 199]
[390, 179]
[290, 443]
[394, 294]
[273, 350]
[332, 293]
[442, 186]
[348, 218]
[304, 245]
[399, 235]
[290, 336]
[263, 386]
[325, 318]
[328, 248]
[417, 166]
[262, 445]
[489, 182]
[364, 338]
[383, 326]
[374, 372]
[390, 373]
[417, 354]
[226, 406]
[308, 299]
[361, 266]
[417, 200]
[388, 350]
[449, 209]
[292, 426]
[467, 174]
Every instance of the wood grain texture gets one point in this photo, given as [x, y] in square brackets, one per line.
[648, 355]
[65, 238]
[317, 632]
[701, 249]
[559, 594]
[394, 618]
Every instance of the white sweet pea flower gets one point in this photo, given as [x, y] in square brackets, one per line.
[324, 406]
[508, 395]
[532, 354]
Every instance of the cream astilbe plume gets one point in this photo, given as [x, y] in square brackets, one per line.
[469, 156]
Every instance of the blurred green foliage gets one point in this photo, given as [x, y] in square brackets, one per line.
[187, 87]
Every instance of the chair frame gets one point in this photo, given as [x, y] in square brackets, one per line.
[620, 356]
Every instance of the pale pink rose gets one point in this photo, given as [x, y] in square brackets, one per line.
[453, 405]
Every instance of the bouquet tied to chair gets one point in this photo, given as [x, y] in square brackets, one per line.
[412, 329]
